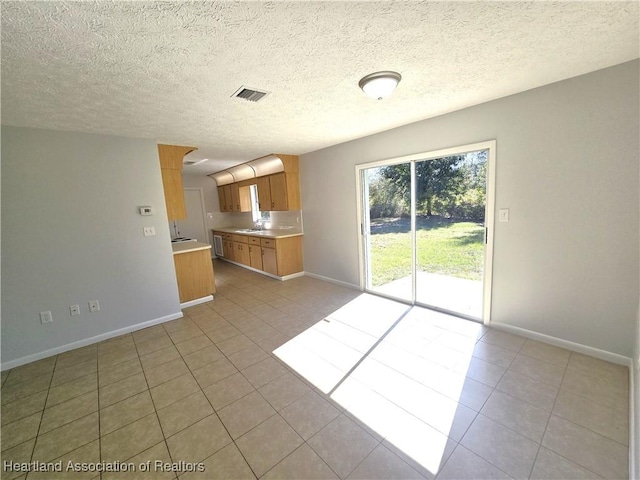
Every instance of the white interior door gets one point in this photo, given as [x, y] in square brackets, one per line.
[194, 225]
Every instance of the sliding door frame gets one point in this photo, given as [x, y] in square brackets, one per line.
[361, 224]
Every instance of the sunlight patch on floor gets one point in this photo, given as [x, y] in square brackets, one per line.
[401, 371]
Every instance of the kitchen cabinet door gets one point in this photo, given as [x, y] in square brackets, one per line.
[235, 197]
[241, 253]
[278, 187]
[222, 199]
[228, 201]
[244, 197]
[229, 252]
[269, 262]
[255, 256]
[264, 193]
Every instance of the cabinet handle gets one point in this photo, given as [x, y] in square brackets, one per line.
[273, 204]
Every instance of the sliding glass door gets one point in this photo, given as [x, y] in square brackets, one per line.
[387, 231]
[425, 227]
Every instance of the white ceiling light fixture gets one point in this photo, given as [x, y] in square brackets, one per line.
[380, 85]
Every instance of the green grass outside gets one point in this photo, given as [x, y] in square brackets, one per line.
[445, 247]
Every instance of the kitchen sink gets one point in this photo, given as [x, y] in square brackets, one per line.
[249, 230]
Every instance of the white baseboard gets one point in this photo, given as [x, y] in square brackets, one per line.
[88, 341]
[262, 272]
[197, 301]
[332, 280]
[559, 342]
[293, 275]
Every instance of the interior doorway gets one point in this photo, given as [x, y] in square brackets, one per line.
[194, 226]
[427, 227]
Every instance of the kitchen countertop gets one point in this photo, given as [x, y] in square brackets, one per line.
[186, 247]
[275, 233]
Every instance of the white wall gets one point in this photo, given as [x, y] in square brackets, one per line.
[71, 233]
[566, 264]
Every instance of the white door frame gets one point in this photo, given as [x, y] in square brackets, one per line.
[490, 146]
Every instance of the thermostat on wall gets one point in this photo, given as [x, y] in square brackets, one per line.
[146, 210]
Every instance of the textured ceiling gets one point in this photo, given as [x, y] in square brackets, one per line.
[167, 70]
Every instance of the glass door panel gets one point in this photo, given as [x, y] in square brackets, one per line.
[387, 229]
[450, 232]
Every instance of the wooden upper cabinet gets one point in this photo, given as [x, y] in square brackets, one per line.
[279, 191]
[244, 194]
[235, 197]
[171, 158]
[227, 198]
[222, 199]
[285, 191]
[264, 193]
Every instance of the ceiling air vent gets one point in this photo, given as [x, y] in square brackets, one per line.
[191, 162]
[250, 94]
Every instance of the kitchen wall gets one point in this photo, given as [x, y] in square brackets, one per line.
[71, 233]
[566, 265]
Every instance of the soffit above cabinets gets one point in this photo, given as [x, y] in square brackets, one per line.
[222, 178]
[245, 171]
[242, 172]
[267, 165]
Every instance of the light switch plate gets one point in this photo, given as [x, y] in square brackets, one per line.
[149, 231]
[503, 215]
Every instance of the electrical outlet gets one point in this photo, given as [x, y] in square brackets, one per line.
[46, 317]
[94, 306]
[149, 231]
[74, 310]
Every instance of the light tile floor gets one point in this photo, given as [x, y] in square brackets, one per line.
[306, 380]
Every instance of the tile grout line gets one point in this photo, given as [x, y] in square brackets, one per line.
[35, 443]
[99, 409]
[215, 412]
[564, 372]
[155, 410]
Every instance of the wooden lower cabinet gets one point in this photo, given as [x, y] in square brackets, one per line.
[241, 253]
[255, 256]
[241, 249]
[194, 272]
[227, 247]
[269, 261]
[287, 253]
[277, 256]
[255, 253]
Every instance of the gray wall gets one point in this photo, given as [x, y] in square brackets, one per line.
[566, 264]
[71, 233]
